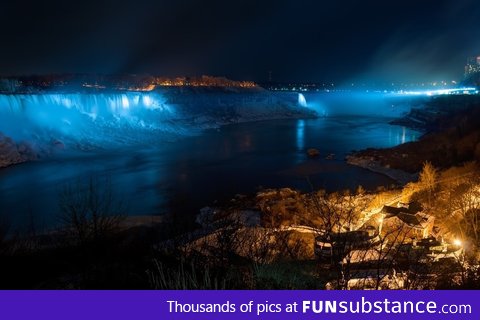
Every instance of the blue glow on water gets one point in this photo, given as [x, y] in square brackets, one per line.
[300, 135]
[203, 167]
[272, 152]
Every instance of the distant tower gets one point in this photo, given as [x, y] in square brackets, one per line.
[270, 76]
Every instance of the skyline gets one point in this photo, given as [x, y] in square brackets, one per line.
[311, 41]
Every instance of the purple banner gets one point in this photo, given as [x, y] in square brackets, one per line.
[227, 305]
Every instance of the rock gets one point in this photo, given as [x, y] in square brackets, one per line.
[11, 153]
[313, 153]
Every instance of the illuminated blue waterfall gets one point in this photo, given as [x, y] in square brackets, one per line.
[93, 105]
[301, 100]
[70, 113]
[107, 119]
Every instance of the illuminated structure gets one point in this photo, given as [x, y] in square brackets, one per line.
[472, 67]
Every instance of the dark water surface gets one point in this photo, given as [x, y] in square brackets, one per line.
[196, 171]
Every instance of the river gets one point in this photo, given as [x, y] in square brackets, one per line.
[196, 171]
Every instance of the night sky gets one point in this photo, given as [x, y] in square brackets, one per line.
[336, 40]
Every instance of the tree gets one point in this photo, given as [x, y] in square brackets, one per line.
[465, 206]
[90, 211]
[428, 176]
[336, 218]
[428, 179]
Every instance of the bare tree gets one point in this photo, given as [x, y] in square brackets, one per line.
[337, 216]
[90, 211]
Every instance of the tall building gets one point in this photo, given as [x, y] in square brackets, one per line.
[472, 67]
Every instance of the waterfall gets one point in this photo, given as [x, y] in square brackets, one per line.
[100, 118]
[68, 113]
[113, 104]
[301, 100]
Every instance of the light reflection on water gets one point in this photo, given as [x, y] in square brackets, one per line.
[301, 135]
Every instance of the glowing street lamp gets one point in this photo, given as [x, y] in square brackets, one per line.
[457, 242]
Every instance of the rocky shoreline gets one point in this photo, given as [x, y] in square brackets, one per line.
[12, 153]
